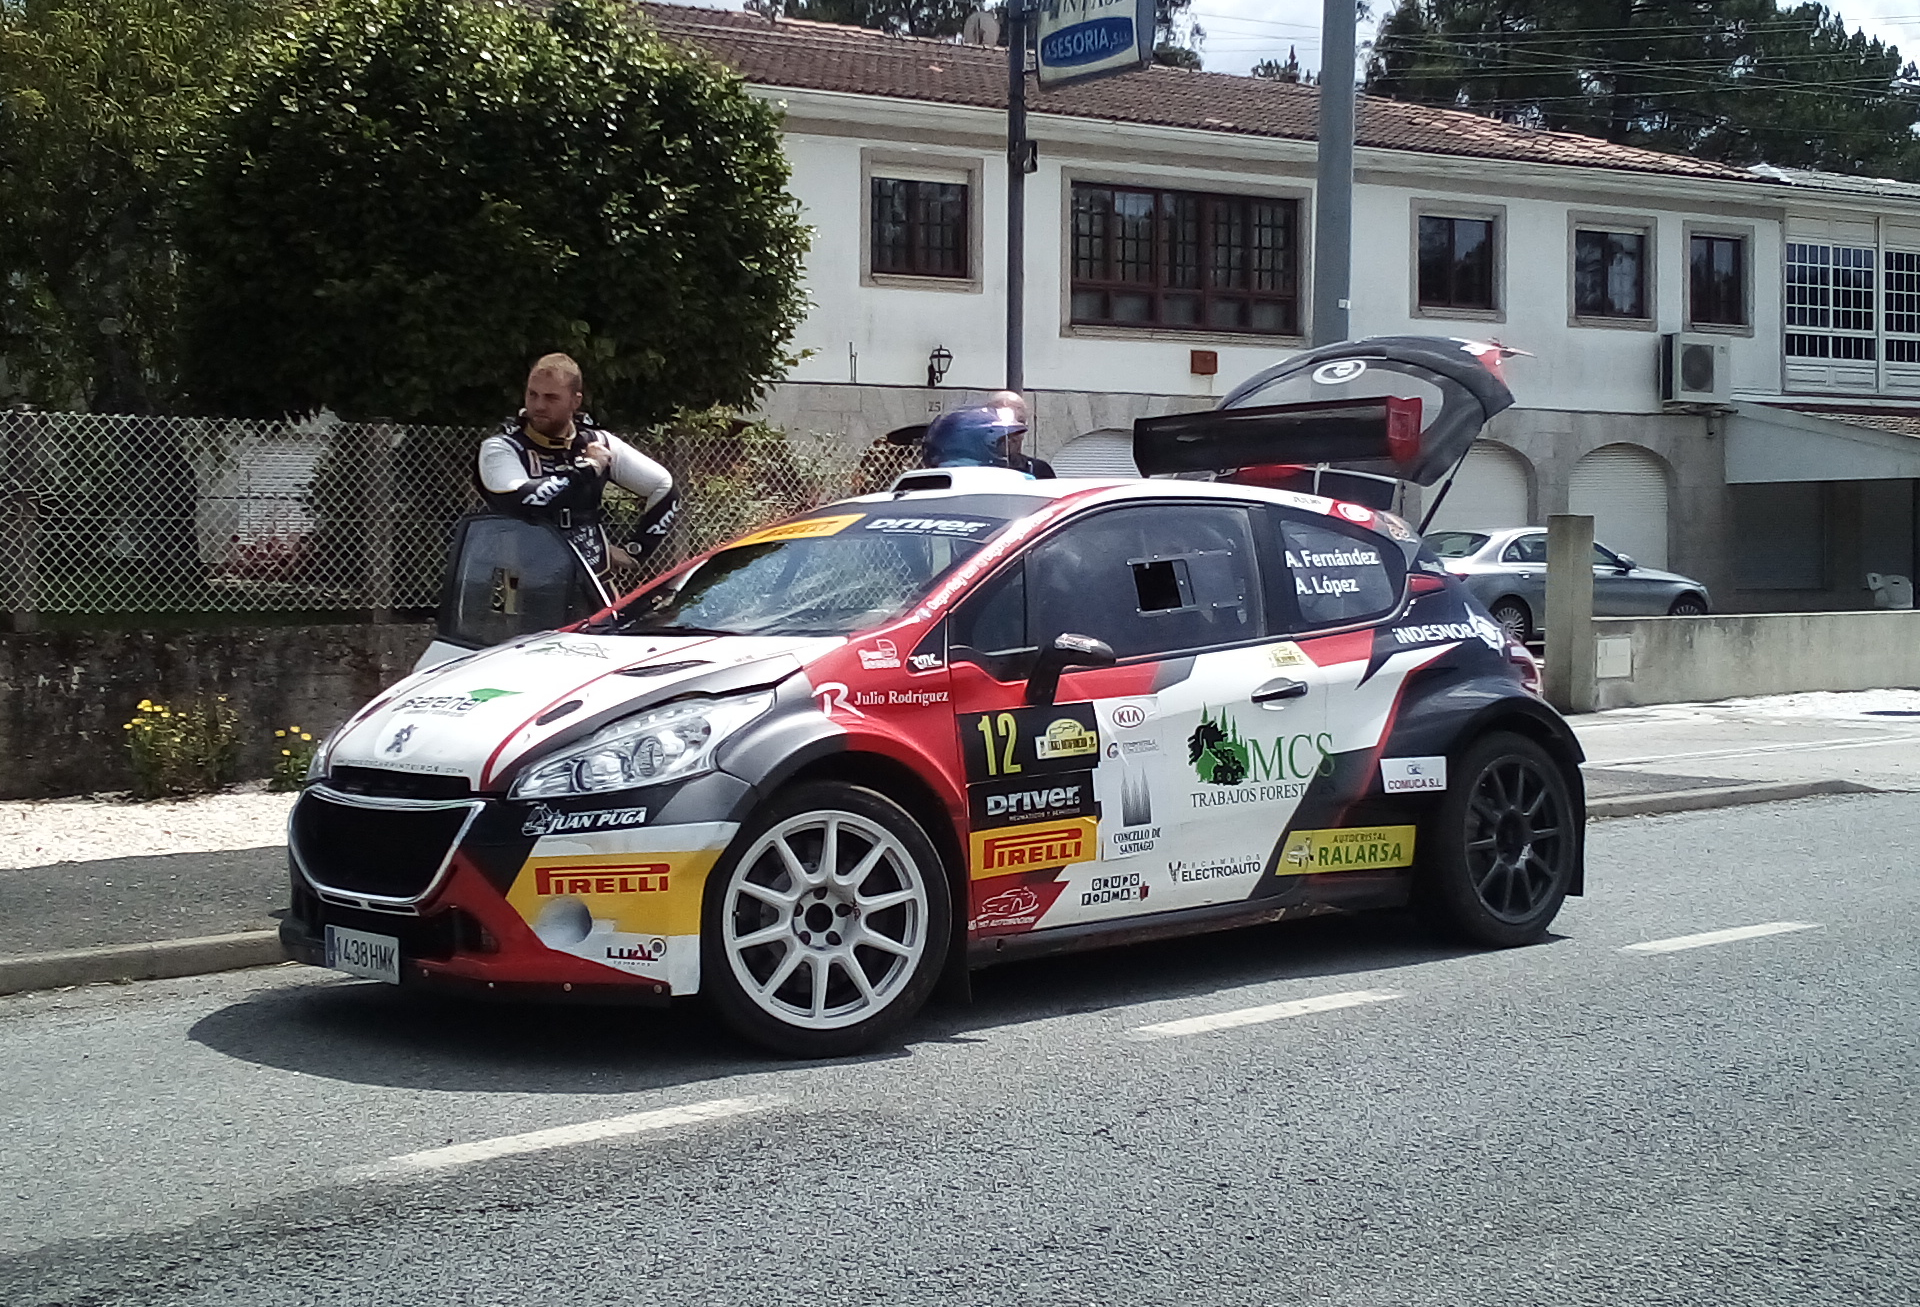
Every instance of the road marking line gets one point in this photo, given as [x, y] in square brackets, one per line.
[1679, 942]
[1250, 1016]
[483, 1150]
[1808, 746]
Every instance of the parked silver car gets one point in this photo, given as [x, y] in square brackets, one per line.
[1507, 571]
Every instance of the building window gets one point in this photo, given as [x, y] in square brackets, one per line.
[1830, 302]
[1717, 281]
[1456, 263]
[1175, 259]
[1609, 274]
[1903, 306]
[919, 228]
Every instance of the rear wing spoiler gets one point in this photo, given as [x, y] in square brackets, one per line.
[1406, 407]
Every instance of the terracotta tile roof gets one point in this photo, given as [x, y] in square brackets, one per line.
[826, 57]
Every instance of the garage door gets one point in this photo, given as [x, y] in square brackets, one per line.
[1107, 452]
[1624, 488]
[1489, 493]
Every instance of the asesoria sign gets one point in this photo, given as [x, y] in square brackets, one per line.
[1083, 39]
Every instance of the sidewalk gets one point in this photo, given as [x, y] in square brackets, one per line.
[95, 890]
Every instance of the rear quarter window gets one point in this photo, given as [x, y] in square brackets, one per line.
[1338, 576]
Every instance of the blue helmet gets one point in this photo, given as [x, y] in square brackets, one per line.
[970, 437]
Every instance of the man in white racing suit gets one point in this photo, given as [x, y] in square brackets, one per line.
[552, 464]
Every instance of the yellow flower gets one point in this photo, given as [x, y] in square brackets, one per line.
[306, 737]
[280, 734]
[127, 727]
[286, 753]
[293, 728]
[145, 704]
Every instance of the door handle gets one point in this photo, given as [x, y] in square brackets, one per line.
[1276, 693]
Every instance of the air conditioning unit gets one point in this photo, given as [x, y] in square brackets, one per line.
[1694, 370]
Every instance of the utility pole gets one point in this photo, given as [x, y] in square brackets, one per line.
[1333, 197]
[1020, 162]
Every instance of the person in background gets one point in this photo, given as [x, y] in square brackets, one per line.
[552, 464]
[1015, 405]
[978, 436]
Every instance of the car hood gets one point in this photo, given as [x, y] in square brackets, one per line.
[479, 717]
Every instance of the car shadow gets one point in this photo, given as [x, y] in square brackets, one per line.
[367, 1033]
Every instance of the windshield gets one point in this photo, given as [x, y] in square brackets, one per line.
[840, 571]
[1455, 544]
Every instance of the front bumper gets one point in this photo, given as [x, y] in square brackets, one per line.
[598, 903]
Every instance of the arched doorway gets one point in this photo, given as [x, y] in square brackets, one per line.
[1489, 492]
[1624, 489]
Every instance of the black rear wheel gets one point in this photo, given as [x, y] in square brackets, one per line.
[1502, 845]
[1688, 606]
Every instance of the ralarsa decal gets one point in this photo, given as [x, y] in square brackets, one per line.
[1020, 742]
[1358, 848]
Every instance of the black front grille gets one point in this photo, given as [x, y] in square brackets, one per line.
[381, 783]
[389, 852]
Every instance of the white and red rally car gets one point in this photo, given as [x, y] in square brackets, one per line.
[975, 718]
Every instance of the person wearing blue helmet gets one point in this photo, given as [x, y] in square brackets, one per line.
[986, 435]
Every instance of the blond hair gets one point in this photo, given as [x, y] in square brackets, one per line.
[560, 365]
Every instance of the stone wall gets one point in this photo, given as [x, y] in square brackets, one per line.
[1647, 660]
[64, 695]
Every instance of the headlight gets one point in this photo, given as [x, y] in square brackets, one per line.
[317, 765]
[667, 744]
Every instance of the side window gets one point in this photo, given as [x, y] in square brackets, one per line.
[1149, 579]
[1339, 577]
[993, 621]
[1527, 549]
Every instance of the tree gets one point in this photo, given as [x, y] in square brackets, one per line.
[423, 195]
[1275, 71]
[1734, 80]
[102, 103]
[900, 17]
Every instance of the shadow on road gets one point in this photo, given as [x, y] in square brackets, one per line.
[369, 1033]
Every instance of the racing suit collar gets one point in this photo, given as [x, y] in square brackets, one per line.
[544, 441]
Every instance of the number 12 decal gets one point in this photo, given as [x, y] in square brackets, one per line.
[1009, 731]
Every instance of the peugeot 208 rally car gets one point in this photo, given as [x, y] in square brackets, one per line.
[975, 718]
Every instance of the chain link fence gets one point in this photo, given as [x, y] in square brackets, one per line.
[134, 515]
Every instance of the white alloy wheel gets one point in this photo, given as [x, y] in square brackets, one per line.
[824, 920]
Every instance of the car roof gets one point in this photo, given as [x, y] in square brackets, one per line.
[1006, 481]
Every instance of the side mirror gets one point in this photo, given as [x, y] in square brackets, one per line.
[1067, 650]
[1626, 564]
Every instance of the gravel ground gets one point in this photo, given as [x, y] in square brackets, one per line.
[38, 832]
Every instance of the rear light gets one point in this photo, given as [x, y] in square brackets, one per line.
[1425, 583]
[1519, 655]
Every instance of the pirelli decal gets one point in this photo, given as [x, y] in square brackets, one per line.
[807, 529]
[1008, 849]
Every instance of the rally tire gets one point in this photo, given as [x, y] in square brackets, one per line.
[825, 925]
[1501, 846]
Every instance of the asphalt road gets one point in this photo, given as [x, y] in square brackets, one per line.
[1571, 1123]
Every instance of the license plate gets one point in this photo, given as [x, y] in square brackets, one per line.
[377, 957]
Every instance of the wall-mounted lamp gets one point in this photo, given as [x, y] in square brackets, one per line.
[937, 364]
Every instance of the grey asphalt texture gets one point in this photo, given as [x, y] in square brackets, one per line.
[1565, 1123]
[70, 905]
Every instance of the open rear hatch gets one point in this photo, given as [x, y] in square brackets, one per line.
[1403, 407]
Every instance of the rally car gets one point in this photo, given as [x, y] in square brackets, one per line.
[975, 718]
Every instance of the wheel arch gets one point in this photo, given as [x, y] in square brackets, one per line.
[1535, 721]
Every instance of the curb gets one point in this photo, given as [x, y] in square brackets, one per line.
[1720, 796]
[155, 961]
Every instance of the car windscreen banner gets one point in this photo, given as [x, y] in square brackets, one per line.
[1407, 407]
